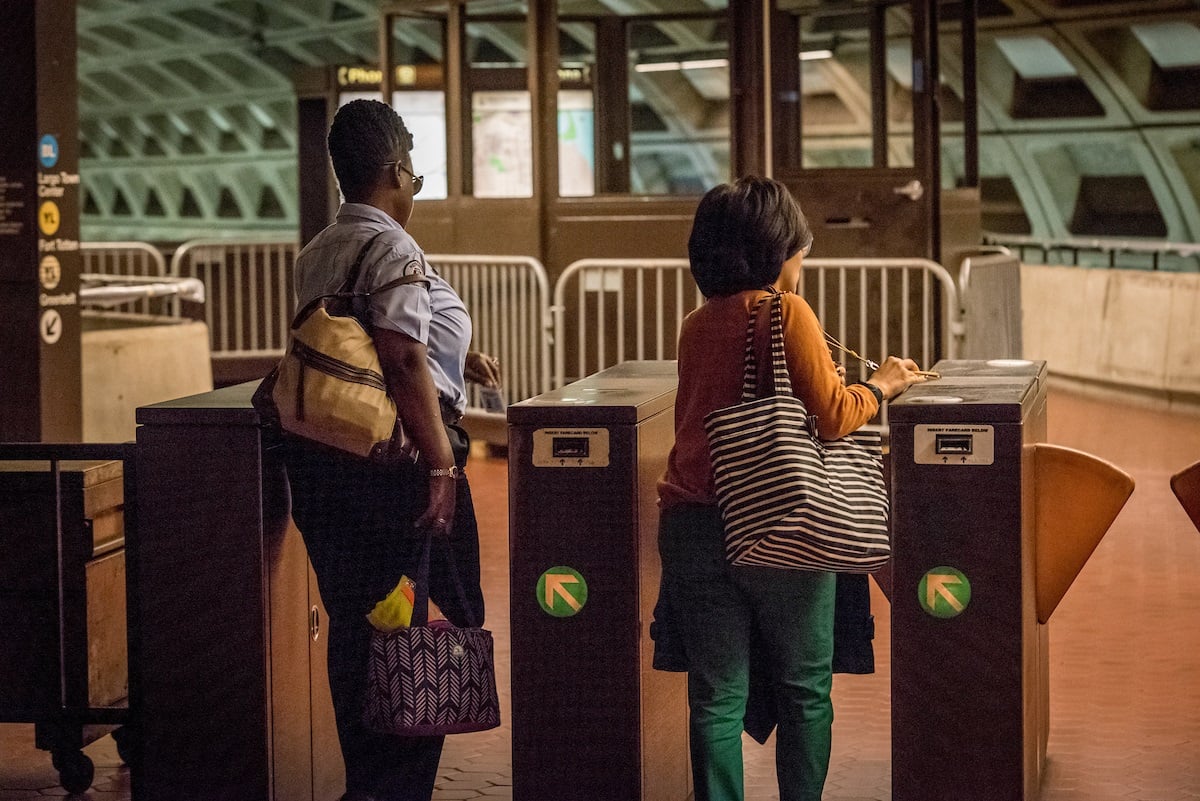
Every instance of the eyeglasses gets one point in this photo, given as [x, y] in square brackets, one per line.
[418, 181]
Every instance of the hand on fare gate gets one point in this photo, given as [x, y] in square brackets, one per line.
[896, 375]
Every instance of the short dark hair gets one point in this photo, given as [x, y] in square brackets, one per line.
[743, 233]
[365, 135]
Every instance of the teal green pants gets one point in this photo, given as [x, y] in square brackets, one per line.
[712, 608]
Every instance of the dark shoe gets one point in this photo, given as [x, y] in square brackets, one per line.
[357, 795]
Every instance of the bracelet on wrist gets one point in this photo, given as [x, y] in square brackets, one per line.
[445, 472]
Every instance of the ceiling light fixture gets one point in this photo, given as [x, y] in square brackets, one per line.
[674, 66]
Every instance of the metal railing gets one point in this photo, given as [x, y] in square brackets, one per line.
[602, 311]
[252, 301]
[1112, 252]
[884, 307]
[508, 297]
[611, 310]
[249, 287]
[127, 260]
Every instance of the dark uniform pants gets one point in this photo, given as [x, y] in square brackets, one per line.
[357, 523]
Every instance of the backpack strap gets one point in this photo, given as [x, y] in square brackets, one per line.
[352, 276]
[346, 290]
[411, 278]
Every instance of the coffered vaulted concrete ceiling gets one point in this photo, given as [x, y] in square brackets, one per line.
[187, 111]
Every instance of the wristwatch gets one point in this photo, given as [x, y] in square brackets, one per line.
[448, 472]
[876, 391]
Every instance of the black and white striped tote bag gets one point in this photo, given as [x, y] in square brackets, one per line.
[789, 499]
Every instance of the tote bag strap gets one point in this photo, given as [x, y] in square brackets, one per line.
[781, 379]
[420, 614]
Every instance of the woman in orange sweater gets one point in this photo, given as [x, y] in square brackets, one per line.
[748, 239]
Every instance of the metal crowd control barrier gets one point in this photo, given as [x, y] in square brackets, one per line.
[604, 311]
[249, 285]
[620, 310]
[130, 259]
[882, 307]
[66, 654]
[508, 297]
[611, 310]
[251, 304]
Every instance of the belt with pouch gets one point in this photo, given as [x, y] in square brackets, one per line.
[450, 415]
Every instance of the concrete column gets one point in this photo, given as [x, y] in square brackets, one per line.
[40, 377]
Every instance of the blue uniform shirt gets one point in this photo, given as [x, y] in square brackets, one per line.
[436, 317]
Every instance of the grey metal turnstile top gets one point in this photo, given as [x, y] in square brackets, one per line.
[625, 394]
[228, 405]
[999, 390]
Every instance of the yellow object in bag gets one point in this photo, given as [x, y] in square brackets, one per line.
[395, 611]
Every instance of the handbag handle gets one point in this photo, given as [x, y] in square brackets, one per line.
[420, 613]
[781, 379]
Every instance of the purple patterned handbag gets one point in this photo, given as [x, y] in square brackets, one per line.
[431, 679]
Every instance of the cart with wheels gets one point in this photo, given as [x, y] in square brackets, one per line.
[64, 658]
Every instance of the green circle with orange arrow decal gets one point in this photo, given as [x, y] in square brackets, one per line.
[561, 591]
[944, 592]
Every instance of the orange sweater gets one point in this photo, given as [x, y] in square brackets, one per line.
[711, 346]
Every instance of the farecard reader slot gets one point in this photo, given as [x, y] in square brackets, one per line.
[953, 444]
[570, 447]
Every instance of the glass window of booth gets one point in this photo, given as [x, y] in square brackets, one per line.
[500, 133]
[849, 81]
[577, 108]
[642, 101]
[678, 104]
[418, 58]
[501, 126]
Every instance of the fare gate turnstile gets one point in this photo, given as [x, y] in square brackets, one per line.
[969, 658]
[591, 719]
